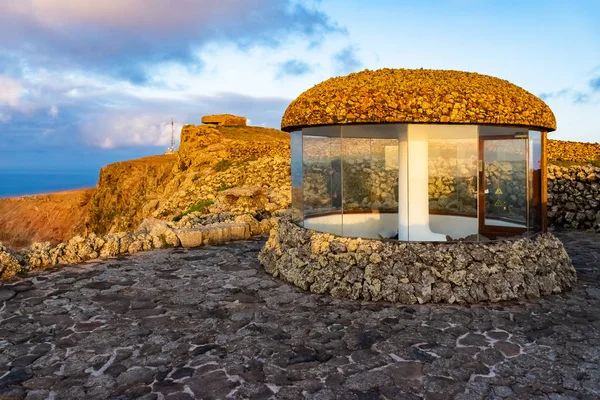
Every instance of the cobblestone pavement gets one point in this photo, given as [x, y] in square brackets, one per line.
[210, 323]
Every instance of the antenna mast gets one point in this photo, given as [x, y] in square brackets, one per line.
[172, 134]
[171, 149]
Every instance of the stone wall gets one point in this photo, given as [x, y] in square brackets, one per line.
[191, 231]
[409, 273]
[562, 150]
[574, 196]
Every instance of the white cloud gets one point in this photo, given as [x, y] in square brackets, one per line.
[10, 91]
[152, 14]
[129, 130]
[53, 111]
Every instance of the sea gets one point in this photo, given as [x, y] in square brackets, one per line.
[18, 183]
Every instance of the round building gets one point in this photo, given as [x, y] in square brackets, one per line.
[395, 158]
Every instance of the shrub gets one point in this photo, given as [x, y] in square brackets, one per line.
[222, 165]
[223, 187]
[246, 161]
[201, 206]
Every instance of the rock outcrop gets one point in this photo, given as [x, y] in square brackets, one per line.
[210, 160]
[10, 263]
[224, 119]
[128, 192]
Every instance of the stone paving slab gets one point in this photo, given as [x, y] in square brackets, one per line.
[209, 323]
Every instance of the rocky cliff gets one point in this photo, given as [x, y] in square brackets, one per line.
[210, 159]
[124, 191]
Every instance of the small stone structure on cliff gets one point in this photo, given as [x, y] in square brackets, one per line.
[444, 174]
[224, 120]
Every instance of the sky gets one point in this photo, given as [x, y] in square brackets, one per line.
[84, 84]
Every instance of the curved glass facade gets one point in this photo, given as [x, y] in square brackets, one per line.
[418, 182]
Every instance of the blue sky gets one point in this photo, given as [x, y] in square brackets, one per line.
[84, 85]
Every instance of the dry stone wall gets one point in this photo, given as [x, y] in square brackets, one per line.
[409, 273]
[562, 150]
[195, 230]
[574, 197]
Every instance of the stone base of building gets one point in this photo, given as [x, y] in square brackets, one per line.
[412, 272]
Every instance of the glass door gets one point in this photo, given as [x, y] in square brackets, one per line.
[503, 199]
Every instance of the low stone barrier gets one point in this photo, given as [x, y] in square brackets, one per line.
[409, 273]
[221, 233]
[152, 234]
[574, 196]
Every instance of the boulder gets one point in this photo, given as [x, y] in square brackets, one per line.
[214, 234]
[9, 263]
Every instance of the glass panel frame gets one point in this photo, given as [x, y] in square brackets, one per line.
[454, 181]
[370, 181]
[503, 180]
[322, 179]
[535, 181]
[330, 156]
[297, 155]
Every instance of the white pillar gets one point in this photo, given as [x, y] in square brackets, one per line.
[413, 187]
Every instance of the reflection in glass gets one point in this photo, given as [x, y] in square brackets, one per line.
[505, 186]
[296, 164]
[370, 183]
[453, 152]
[535, 179]
[322, 179]
[421, 182]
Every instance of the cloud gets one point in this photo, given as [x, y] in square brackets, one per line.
[294, 68]
[124, 39]
[575, 96]
[147, 123]
[4, 117]
[346, 61]
[129, 130]
[53, 111]
[10, 91]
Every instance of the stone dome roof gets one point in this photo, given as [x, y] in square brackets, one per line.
[417, 96]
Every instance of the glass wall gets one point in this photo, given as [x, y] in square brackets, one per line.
[505, 181]
[417, 182]
[453, 152]
[297, 184]
[535, 181]
[322, 179]
[370, 171]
